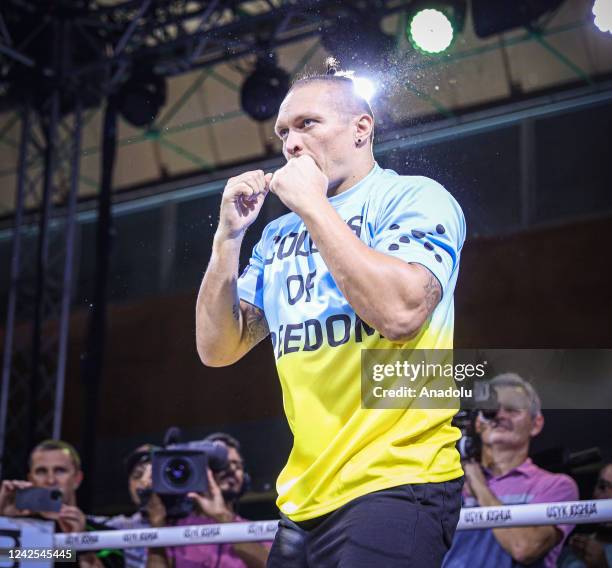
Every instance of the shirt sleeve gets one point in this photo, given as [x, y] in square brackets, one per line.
[421, 222]
[250, 282]
[554, 489]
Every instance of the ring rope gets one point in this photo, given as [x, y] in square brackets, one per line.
[568, 512]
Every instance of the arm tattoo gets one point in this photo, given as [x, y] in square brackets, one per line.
[433, 293]
[255, 324]
[236, 312]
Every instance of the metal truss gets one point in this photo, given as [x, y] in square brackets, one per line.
[173, 36]
[36, 333]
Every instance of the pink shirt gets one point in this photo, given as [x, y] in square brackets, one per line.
[206, 555]
[524, 484]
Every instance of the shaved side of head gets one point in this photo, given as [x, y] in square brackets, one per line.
[341, 93]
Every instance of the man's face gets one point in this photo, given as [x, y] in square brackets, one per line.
[310, 121]
[230, 480]
[54, 469]
[513, 425]
[603, 488]
[139, 478]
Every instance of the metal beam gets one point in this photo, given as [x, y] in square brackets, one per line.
[169, 114]
[183, 152]
[17, 56]
[131, 29]
[70, 231]
[562, 58]
[7, 359]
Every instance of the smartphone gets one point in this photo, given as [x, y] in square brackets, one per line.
[39, 499]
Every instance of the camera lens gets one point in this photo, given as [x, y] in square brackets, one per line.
[56, 495]
[489, 413]
[178, 471]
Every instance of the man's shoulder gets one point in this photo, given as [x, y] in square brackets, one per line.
[549, 481]
[392, 187]
[417, 183]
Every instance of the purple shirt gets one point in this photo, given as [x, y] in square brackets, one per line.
[524, 484]
[206, 555]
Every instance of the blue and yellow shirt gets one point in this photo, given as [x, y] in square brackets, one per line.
[341, 450]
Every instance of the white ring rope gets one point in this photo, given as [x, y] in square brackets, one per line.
[569, 512]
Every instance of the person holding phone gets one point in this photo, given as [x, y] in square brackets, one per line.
[55, 466]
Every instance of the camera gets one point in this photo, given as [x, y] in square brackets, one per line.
[181, 468]
[470, 444]
[178, 469]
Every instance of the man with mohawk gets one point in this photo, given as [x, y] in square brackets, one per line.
[366, 259]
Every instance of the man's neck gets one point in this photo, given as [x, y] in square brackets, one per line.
[502, 460]
[357, 174]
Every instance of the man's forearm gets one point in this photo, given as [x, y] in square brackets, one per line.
[218, 325]
[253, 554]
[524, 544]
[89, 560]
[385, 292]
[157, 558]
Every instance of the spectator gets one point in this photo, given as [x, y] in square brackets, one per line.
[55, 464]
[138, 465]
[218, 506]
[593, 550]
[507, 476]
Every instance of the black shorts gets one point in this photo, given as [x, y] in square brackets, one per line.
[408, 526]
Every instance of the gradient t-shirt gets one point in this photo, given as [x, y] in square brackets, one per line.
[341, 450]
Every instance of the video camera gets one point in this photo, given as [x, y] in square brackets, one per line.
[181, 468]
[470, 444]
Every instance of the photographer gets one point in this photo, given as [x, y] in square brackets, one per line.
[593, 550]
[217, 506]
[54, 465]
[506, 476]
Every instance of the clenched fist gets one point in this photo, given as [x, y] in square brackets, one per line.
[242, 200]
[300, 184]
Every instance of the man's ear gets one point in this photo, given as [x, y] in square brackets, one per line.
[364, 124]
[79, 478]
[538, 424]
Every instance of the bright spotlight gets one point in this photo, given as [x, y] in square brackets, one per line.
[364, 88]
[430, 30]
[602, 10]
